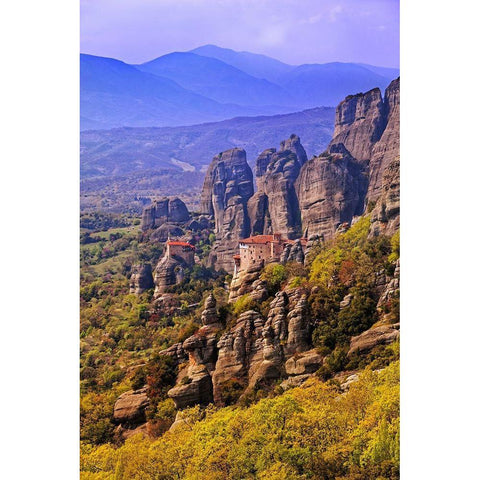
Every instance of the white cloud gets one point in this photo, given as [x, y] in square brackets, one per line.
[334, 13]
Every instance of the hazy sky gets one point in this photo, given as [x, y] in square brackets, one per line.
[294, 31]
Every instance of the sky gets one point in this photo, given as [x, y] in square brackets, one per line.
[293, 31]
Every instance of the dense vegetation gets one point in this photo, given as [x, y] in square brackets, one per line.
[121, 333]
[309, 432]
[314, 431]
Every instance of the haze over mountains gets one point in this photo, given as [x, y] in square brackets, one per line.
[125, 150]
[211, 83]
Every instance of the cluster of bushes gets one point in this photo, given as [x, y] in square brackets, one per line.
[98, 221]
[348, 265]
[312, 431]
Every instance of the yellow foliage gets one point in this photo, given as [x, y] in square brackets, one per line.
[313, 431]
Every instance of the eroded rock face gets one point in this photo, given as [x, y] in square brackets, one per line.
[292, 253]
[259, 214]
[331, 191]
[194, 383]
[307, 363]
[129, 409]
[299, 334]
[359, 123]
[293, 144]
[195, 388]
[274, 208]
[226, 190]
[359, 168]
[141, 278]
[169, 271]
[243, 281]
[240, 352]
[163, 211]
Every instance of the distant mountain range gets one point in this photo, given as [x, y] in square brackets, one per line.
[123, 151]
[209, 84]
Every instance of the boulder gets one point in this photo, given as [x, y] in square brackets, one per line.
[381, 335]
[195, 388]
[129, 409]
[306, 363]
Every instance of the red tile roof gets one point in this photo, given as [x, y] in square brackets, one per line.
[180, 244]
[258, 239]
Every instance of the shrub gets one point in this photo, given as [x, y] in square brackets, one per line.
[243, 304]
[186, 331]
[274, 274]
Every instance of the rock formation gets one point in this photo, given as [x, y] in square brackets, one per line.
[384, 181]
[381, 335]
[166, 231]
[359, 122]
[274, 207]
[331, 191]
[194, 383]
[169, 271]
[163, 211]
[129, 409]
[141, 278]
[227, 188]
[359, 168]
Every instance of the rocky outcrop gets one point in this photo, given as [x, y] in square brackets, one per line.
[292, 252]
[141, 278]
[306, 363]
[163, 211]
[390, 293]
[384, 181]
[194, 383]
[168, 272]
[299, 334]
[129, 409]
[259, 214]
[331, 190]
[293, 144]
[359, 123]
[195, 388]
[360, 167]
[226, 190]
[243, 281]
[240, 351]
[381, 335]
[166, 231]
[274, 208]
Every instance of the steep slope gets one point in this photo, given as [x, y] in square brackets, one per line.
[384, 172]
[274, 207]
[228, 186]
[360, 168]
[217, 80]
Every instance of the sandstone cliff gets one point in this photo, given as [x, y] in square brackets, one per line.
[227, 188]
[162, 211]
[359, 169]
[274, 207]
[384, 176]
